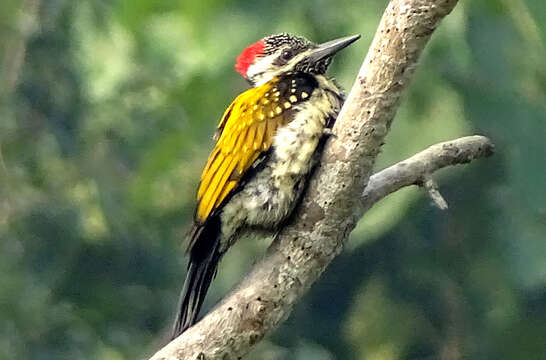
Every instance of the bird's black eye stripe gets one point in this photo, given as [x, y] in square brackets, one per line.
[285, 56]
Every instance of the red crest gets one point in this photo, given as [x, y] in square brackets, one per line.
[248, 56]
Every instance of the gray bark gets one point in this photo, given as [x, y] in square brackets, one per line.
[337, 195]
[419, 168]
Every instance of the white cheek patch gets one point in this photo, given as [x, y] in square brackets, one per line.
[259, 70]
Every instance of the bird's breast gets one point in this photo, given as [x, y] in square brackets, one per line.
[270, 196]
[295, 143]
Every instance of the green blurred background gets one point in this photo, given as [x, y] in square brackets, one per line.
[106, 114]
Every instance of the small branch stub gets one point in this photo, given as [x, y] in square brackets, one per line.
[431, 187]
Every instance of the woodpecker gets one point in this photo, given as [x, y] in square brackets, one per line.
[266, 144]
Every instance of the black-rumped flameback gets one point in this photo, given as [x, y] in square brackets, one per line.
[266, 144]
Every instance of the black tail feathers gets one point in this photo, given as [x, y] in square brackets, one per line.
[204, 258]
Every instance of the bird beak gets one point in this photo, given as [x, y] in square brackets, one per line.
[330, 48]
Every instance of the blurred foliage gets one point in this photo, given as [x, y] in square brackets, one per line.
[106, 115]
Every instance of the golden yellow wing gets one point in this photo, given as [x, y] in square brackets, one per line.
[245, 131]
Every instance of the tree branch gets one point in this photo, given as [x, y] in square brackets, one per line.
[332, 204]
[420, 167]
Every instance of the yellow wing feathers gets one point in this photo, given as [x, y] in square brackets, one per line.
[245, 131]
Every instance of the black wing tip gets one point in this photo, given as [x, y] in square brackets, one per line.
[193, 234]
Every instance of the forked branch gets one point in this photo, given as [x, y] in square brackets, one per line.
[419, 168]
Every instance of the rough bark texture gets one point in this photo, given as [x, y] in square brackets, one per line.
[332, 204]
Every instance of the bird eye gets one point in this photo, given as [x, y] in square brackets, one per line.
[286, 55]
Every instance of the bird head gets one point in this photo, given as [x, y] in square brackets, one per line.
[283, 53]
